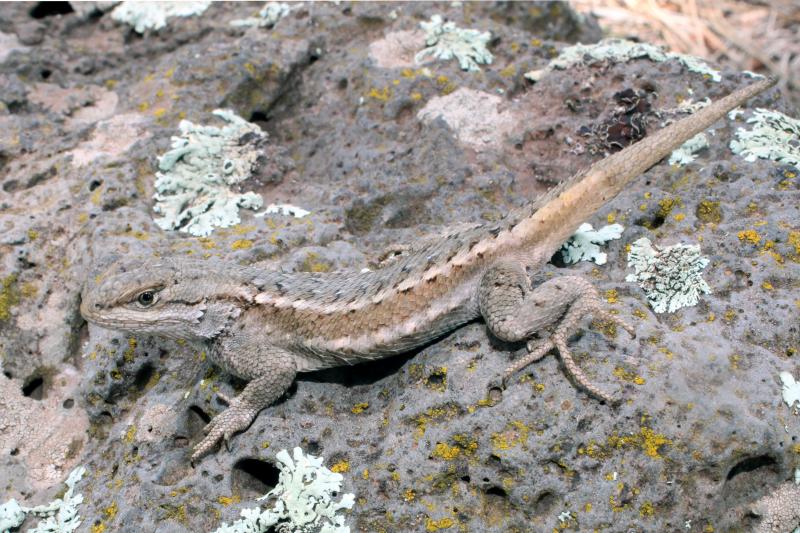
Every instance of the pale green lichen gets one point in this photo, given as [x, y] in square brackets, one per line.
[303, 500]
[288, 210]
[444, 40]
[584, 244]
[153, 15]
[269, 15]
[59, 516]
[620, 51]
[193, 187]
[671, 277]
[790, 390]
[774, 136]
[688, 150]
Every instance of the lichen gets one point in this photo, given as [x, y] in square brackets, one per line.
[269, 15]
[9, 295]
[444, 40]
[671, 277]
[193, 187]
[688, 150]
[620, 51]
[790, 390]
[303, 500]
[59, 516]
[153, 15]
[584, 244]
[774, 136]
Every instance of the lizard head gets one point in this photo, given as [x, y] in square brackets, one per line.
[191, 300]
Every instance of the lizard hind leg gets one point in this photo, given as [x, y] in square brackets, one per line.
[514, 312]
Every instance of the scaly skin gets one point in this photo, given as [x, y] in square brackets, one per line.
[266, 326]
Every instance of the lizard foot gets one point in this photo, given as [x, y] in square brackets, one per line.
[589, 304]
[235, 418]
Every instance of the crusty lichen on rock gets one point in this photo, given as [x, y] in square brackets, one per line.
[671, 277]
[773, 136]
[304, 500]
[620, 51]
[445, 40]
[193, 187]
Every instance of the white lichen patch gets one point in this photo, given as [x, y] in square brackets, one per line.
[304, 500]
[791, 389]
[59, 516]
[474, 116]
[620, 51]
[584, 245]
[145, 16]
[269, 15]
[774, 136]
[688, 151]
[193, 187]
[671, 277]
[285, 210]
[445, 40]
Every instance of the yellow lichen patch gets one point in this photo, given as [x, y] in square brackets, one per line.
[98, 528]
[436, 525]
[647, 440]
[9, 296]
[409, 495]
[312, 264]
[130, 352]
[667, 205]
[678, 217]
[242, 244]
[515, 434]
[443, 451]
[729, 316]
[794, 242]
[630, 377]
[111, 511]
[365, 473]
[130, 435]
[359, 408]
[767, 286]
[341, 466]
[159, 112]
[595, 450]
[796, 449]
[708, 211]
[611, 217]
[229, 500]
[434, 414]
[416, 96]
[750, 236]
[239, 229]
[508, 72]
[608, 327]
[612, 296]
[646, 509]
[382, 95]
[734, 360]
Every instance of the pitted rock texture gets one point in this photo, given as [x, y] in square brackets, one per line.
[425, 441]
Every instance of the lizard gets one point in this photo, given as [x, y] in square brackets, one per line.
[266, 326]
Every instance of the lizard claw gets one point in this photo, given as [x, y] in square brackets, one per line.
[222, 427]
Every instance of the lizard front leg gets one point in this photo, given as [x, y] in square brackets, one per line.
[514, 312]
[271, 370]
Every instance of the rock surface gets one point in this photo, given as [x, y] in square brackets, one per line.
[383, 153]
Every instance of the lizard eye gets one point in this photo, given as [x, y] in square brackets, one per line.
[146, 298]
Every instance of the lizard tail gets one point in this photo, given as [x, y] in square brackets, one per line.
[564, 208]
